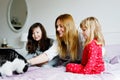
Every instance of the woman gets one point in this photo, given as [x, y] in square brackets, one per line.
[68, 45]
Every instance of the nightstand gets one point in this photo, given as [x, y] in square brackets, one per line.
[8, 47]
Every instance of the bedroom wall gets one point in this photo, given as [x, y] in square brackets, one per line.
[46, 11]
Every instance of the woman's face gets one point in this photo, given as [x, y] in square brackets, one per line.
[60, 28]
[37, 34]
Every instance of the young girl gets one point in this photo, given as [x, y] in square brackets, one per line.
[38, 42]
[92, 62]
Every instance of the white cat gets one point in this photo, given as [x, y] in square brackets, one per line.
[11, 61]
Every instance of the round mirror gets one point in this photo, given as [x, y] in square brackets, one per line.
[17, 14]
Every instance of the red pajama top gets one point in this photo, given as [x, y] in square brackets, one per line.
[92, 62]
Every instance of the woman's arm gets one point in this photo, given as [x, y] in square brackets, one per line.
[38, 59]
[46, 56]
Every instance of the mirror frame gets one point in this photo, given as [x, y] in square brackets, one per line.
[9, 21]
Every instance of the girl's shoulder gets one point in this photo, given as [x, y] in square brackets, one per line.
[50, 41]
[91, 43]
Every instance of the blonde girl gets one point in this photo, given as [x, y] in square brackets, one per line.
[92, 62]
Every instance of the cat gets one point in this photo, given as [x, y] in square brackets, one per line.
[12, 62]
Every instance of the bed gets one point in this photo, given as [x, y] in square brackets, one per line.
[112, 72]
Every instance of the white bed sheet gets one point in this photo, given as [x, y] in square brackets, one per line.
[112, 70]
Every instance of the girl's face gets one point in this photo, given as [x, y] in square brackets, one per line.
[84, 32]
[60, 28]
[37, 34]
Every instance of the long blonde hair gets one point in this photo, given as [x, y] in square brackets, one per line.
[95, 32]
[69, 42]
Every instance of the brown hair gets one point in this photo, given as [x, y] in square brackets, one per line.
[43, 44]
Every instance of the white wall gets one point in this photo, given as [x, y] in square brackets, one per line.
[46, 11]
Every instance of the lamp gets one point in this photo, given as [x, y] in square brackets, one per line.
[24, 38]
